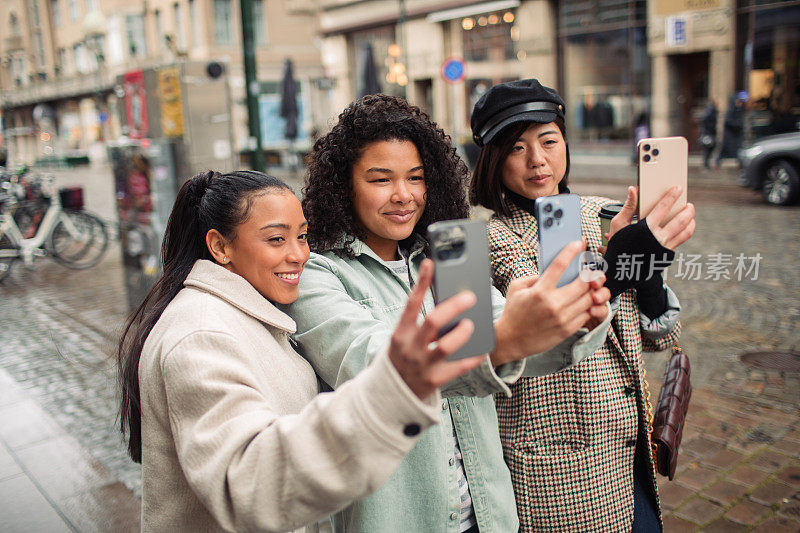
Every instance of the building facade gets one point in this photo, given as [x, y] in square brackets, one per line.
[60, 59]
[617, 63]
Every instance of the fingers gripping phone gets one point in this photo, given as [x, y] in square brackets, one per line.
[663, 162]
[559, 221]
[460, 250]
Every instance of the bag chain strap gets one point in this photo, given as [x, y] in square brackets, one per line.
[649, 418]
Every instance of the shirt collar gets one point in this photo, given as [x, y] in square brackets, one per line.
[412, 246]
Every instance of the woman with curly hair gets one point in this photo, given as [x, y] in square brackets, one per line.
[376, 180]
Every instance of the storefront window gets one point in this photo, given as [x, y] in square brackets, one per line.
[604, 74]
[770, 65]
[490, 37]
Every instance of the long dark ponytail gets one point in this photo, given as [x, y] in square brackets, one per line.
[209, 200]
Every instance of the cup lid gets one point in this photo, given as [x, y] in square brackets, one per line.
[611, 210]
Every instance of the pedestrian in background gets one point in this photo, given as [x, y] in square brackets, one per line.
[575, 441]
[732, 128]
[376, 181]
[707, 135]
[222, 413]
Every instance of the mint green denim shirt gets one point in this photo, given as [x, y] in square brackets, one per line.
[345, 315]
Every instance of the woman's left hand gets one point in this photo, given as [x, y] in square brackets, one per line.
[678, 230]
[672, 234]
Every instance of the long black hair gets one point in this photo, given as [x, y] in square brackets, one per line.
[328, 200]
[209, 200]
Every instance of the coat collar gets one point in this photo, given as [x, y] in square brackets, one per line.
[522, 223]
[522, 220]
[234, 289]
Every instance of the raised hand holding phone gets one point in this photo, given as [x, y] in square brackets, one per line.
[672, 230]
[539, 315]
[418, 352]
[669, 234]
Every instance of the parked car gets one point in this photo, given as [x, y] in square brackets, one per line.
[772, 165]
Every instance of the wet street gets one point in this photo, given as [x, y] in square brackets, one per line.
[740, 459]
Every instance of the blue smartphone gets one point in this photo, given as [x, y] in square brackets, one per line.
[559, 221]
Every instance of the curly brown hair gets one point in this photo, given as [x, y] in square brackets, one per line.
[328, 202]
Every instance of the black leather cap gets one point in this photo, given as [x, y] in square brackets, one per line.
[514, 101]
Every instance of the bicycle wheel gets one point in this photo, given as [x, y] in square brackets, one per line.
[78, 240]
[8, 254]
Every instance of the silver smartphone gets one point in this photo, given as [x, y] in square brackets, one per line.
[460, 251]
[559, 221]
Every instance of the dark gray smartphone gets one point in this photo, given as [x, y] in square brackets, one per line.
[460, 251]
[559, 221]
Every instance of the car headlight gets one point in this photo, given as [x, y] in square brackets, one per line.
[752, 152]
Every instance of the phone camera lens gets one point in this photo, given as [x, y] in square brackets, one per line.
[548, 208]
[655, 151]
[646, 158]
[646, 147]
[559, 213]
[548, 223]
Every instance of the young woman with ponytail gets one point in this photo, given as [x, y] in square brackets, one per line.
[222, 413]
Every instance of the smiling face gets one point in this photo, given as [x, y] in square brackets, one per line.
[270, 248]
[537, 162]
[388, 194]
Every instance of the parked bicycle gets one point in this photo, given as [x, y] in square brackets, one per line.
[64, 231]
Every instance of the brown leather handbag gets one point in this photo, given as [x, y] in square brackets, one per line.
[666, 427]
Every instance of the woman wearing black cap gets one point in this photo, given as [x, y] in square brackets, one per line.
[575, 441]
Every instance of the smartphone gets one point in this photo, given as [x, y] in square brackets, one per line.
[663, 162]
[460, 250]
[559, 221]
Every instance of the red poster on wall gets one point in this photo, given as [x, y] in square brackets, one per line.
[135, 104]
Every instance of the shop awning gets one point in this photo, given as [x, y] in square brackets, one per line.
[468, 11]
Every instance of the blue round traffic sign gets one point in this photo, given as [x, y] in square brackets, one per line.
[453, 70]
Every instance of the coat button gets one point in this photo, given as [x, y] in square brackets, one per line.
[444, 405]
[452, 461]
[630, 443]
[629, 390]
[411, 430]
[453, 516]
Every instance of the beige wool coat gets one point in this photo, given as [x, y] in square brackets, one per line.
[234, 434]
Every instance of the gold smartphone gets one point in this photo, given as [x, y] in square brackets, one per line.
[663, 162]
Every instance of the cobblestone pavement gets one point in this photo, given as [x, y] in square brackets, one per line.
[739, 467]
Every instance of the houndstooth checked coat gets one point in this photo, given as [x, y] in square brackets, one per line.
[569, 438]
